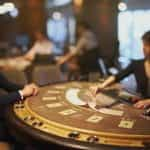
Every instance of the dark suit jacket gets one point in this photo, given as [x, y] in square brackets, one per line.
[137, 68]
[12, 88]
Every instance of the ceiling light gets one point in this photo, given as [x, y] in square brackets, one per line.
[122, 6]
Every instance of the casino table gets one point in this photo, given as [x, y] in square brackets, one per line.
[67, 116]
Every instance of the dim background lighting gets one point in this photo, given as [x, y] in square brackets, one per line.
[78, 3]
[122, 6]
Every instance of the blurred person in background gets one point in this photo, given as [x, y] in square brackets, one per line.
[40, 53]
[41, 46]
[83, 57]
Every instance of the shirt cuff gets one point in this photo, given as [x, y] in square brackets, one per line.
[21, 94]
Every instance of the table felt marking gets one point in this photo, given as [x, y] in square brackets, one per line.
[60, 87]
[53, 92]
[49, 98]
[54, 105]
[124, 123]
[94, 119]
[67, 112]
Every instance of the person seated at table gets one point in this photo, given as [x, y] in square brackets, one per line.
[42, 46]
[83, 57]
[141, 70]
[15, 92]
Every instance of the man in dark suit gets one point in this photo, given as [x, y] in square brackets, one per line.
[15, 92]
[141, 71]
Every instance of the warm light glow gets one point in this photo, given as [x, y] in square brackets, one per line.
[9, 6]
[78, 3]
[122, 6]
[2, 10]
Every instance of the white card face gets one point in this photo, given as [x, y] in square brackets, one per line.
[94, 119]
[54, 105]
[72, 96]
[53, 92]
[111, 112]
[49, 98]
[67, 112]
[126, 124]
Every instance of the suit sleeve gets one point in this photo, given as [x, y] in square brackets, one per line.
[8, 86]
[9, 98]
[124, 73]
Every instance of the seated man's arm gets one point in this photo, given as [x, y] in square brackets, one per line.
[9, 98]
[28, 90]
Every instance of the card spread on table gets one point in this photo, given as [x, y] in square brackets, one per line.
[111, 112]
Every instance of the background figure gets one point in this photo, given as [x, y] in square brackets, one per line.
[41, 46]
[39, 54]
[83, 58]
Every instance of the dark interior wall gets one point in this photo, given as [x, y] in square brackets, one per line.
[7, 27]
[31, 17]
[36, 15]
[102, 16]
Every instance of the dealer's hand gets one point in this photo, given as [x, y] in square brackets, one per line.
[96, 89]
[142, 104]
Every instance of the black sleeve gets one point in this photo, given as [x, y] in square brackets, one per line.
[9, 98]
[124, 73]
[8, 86]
